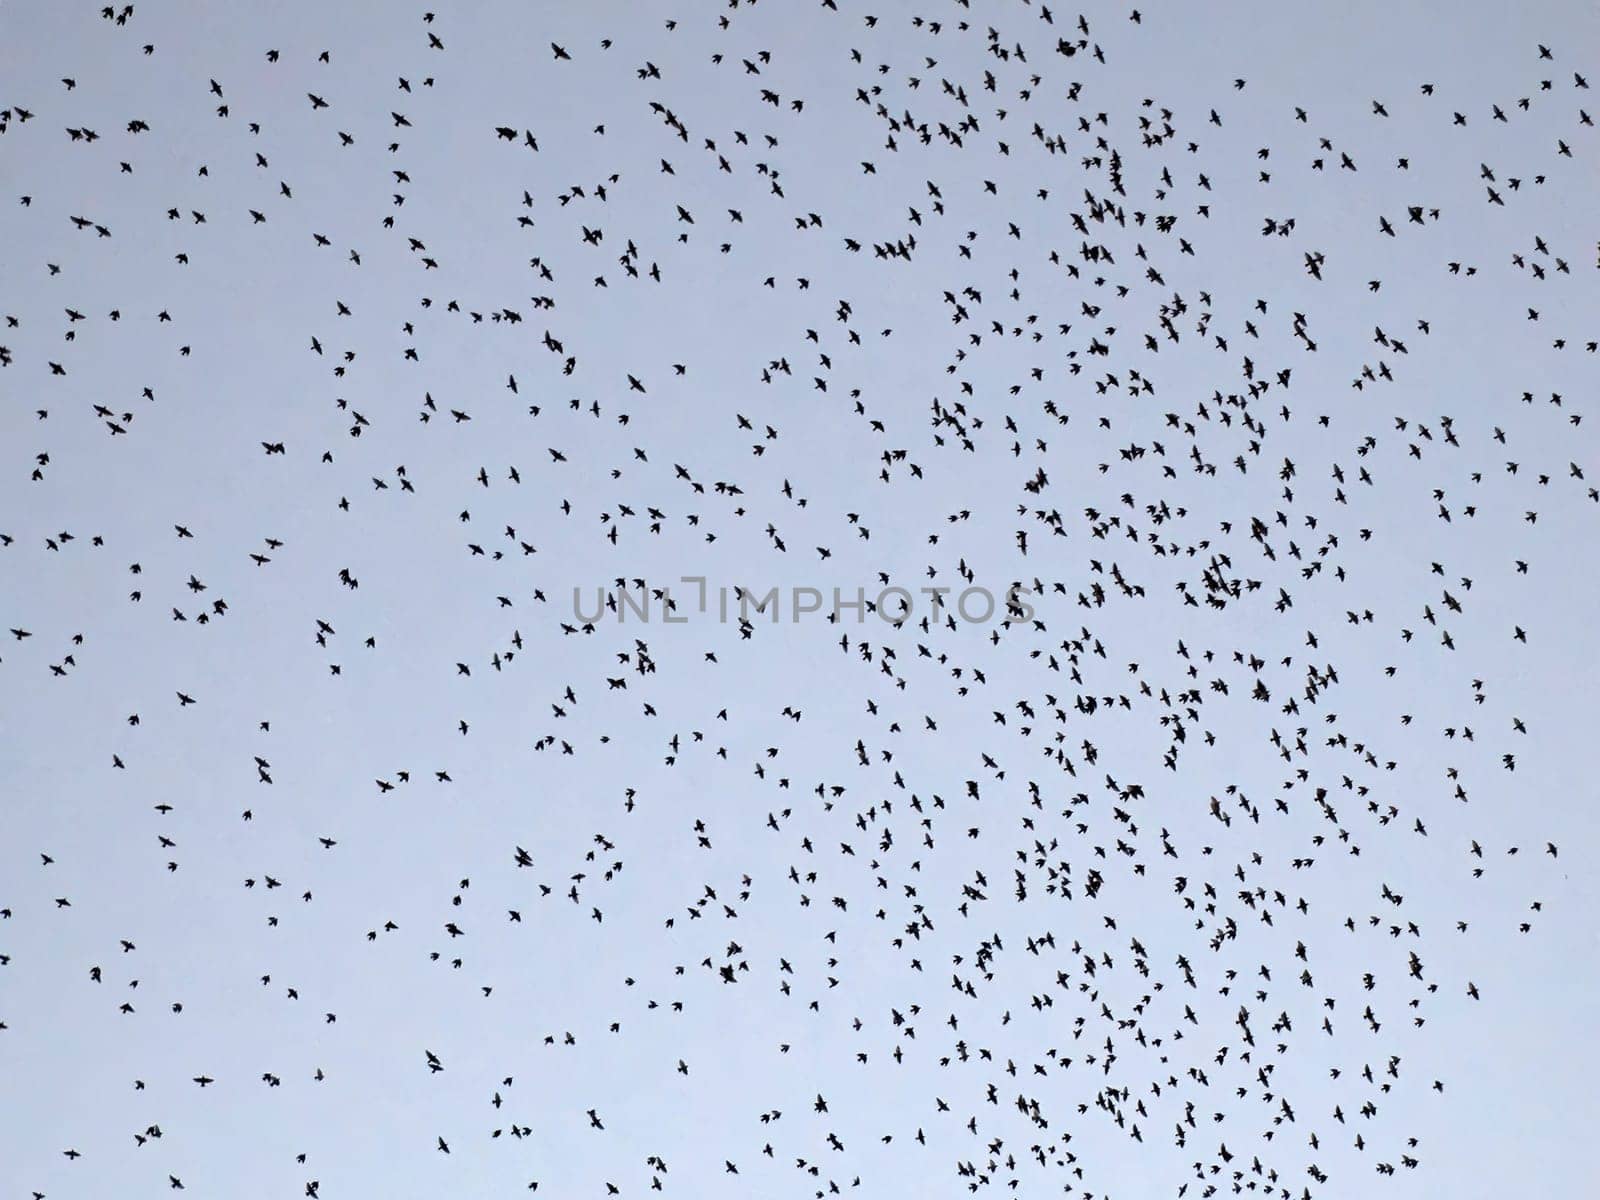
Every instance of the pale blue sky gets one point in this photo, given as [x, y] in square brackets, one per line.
[1518, 1065]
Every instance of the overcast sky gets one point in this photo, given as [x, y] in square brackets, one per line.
[778, 296]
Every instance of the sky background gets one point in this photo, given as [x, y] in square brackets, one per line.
[1518, 1065]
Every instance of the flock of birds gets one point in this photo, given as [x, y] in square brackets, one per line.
[346, 354]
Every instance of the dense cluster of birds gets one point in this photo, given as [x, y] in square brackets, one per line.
[366, 372]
